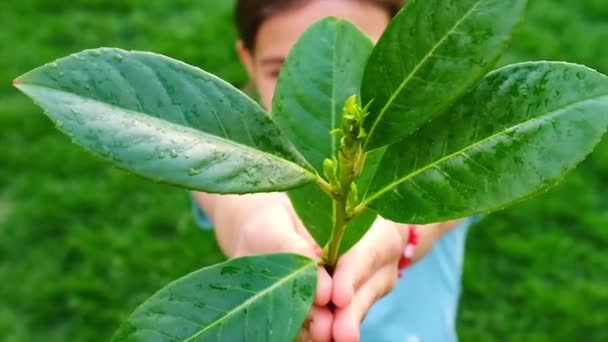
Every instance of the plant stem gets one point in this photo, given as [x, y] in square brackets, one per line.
[325, 186]
[341, 172]
[341, 219]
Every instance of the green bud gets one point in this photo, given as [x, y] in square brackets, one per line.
[351, 107]
[353, 196]
[338, 132]
[362, 134]
[330, 169]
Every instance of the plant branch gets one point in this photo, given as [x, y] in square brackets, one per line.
[359, 209]
[326, 187]
[341, 173]
[341, 220]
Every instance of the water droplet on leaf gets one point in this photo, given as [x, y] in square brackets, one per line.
[229, 270]
[217, 287]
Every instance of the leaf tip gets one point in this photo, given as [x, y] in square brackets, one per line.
[15, 82]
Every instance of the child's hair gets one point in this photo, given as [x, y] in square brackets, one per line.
[250, 14]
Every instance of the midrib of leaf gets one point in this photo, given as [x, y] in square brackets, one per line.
[334, 147]
[417, 67]
[196, 70]
[146, 116]
[465, 149]
[333, 92]
[250, 301]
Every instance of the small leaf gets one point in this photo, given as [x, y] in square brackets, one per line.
[322, 71]
[315, 209]
[167, 121]
[431, 54]
[517, 133]
[356, 228]
[256, 298]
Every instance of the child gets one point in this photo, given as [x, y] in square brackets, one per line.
[422, 305]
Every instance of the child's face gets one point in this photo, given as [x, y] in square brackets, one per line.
[279, 33]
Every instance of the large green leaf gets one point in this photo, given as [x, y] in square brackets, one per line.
[372, 162]
[431, 54]
[323, 69]
[166, 120]
[256, 298]
[517, 133]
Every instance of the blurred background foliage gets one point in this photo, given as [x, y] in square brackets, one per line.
[82, 243]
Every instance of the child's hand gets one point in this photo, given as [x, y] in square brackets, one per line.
[370, 270]
[267, 223]
[365, 274]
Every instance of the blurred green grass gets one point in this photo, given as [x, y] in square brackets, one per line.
[83, 243]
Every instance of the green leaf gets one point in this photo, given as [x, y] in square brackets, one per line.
[372, 162]
[356, 228]
[429, 56]
[517, 133]
[315, 208]
[167, 121]
[322, 70]
[256, 298]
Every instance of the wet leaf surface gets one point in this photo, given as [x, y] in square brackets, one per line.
[255, 298]
[430, 55]
[166, 120]
[515, 134]
[323, 69]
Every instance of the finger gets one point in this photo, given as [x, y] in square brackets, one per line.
[324, 287]
[380, 246]
[347, 321]
[320, 327]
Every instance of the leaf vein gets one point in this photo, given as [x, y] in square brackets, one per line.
[208, 135]
[251, 300]
[410, 176]
[418, 67]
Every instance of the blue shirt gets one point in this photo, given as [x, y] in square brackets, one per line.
[422, 307]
